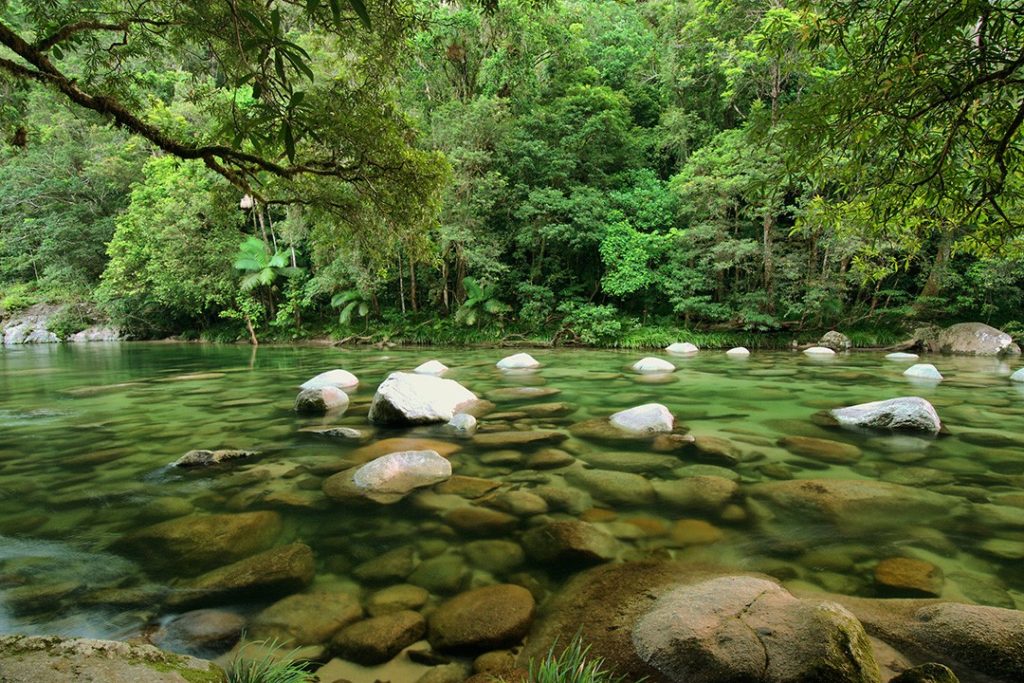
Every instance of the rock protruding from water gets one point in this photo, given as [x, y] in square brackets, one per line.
[901, 356]
[482, 619]
[519, 361]
[738, 352]
[569, 545]
[742, 628]
[462, 424]
[431, 367]
[650, 418]
[340, 379]
[97, 333]
[974, 339]
[406, 398]
[651, 365]
[907, 413]
[923, 371]
[50, 659]
[389, 478]
[682, 348]
[204, 458]
[30, 326]
[819, 351]
[321, 400]
[1018, 376]
[837, 341]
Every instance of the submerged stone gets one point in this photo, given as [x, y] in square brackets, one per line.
[305, 618]
[379, 639]
[482, 619]
[203, 458]
[908, 577]
[923, 371]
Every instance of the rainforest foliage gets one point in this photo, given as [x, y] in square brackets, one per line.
[584, 171]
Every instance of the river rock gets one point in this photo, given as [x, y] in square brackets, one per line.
[837, 341]
[480, 521]
[700, 493]
[462, 424]
[824, 450]
[908, 577]
[902, 357]
[431, 367]
[630, 461]
[391, 477]
[51, 659]
[519, 503]
[406, 398]
[397, 598]
[682, 348]
[741, 628]
[495, 556]
[569, 545]
[549, 459]
[686, 532]
[321, 400]
[716, 450]
[482, 619]
[819, 351]
[201, 631]
[340, 379]
[202, 541]
[1018, 376]
[652, 365]
[923, 371]
[97, 333]
[522, 393]
[976, 339]
[442, 575]
[650, 418]
[907, 413]
[390, 567]
[519, 361]
[738, 352]
[306, 618]
[203, 458]
[614, 488]
[379, 639]
[376, 449]
[270, 574]
[518, 439]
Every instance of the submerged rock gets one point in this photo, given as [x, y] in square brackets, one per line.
[649, 419]
[388, 478]
[614, 488]
[519, 361]
[408, 399]
[321, 400]
[306, 618]
[203, 458]
[735, 628]
[682, 347]
[570, 545]
[518, 439]
[824, 450]
[653, 365]
[201, 630]
[49, 659]
[379, 639]
[431, 367]
[908, 413]
[908, 577]
[340, 379]
[923, 371]
[837, 341]
[482, 619]
[462, 424]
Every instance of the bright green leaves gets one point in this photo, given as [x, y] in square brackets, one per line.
[261, 266]
[627, 256]
[481, 303]
[351, 302]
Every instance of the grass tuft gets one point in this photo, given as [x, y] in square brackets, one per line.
[573, 665]
[271, 667]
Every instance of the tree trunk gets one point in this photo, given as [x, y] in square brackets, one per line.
[769, 265]
[937, 276]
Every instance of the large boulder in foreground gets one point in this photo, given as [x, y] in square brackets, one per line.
[743, 628]
[39, 659]
[406, 398]
[976, 339]
[482, 619]
[389, 478]
[907, 413]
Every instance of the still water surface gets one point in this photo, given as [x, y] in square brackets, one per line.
[87, 432]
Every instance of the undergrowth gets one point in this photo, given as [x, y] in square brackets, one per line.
[272, 666]
[574, 664]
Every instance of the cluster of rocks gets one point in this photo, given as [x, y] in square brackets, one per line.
[31, 326]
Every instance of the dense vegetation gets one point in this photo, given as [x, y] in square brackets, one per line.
[587, 171]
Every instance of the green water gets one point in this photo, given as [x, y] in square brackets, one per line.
[88, 432]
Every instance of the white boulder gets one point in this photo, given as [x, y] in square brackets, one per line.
[923, 371]
[462, 424]
[649, 365]
[332, 378]
[682, 347]
[907, 413]
[390, 477]
[738, 352]
[405, 398]
[819, 351]
[649, 418]
[900, 356]
[431, 367]
[326, 399]
[1018, 376]
[519, 361]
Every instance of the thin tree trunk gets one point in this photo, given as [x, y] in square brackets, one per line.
[401, 283]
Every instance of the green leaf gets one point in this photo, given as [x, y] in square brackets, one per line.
[289, 141]
[360, 9]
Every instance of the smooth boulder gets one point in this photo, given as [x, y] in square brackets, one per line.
[682, 347]
[409, 399]
[321, 400]
[837, 341]
[901, 356]
[339, 379]
[391, 477]
[819, 351]
[907, 413]
[431, 367]
[1018, 376]
[462, 424]
[519, 361]
[738, 352]
[743, 628]
[650, 418]
[651, 365]
[569, 545]
[482, 619]
[204, 458]
[976, 339]
[923, 371]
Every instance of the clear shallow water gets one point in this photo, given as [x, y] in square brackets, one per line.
[86, 433]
